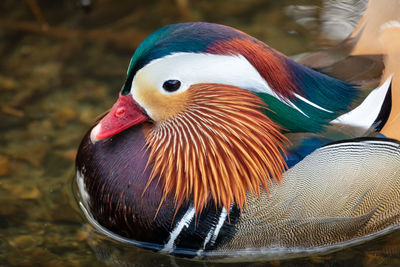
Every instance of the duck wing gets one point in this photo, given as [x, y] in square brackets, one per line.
[342, 193]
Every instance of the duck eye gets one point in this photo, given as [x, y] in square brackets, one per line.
[171, 85]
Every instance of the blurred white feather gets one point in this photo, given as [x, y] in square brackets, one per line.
[334, 20]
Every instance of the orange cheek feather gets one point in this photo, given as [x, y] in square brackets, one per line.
[215, 144]
[162, 107]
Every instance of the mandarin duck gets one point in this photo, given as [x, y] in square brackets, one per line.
[220, 146]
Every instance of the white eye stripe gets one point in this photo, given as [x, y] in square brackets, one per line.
[199, 68]
[195, 68]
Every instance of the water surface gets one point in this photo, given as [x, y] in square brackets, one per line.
[61, 68]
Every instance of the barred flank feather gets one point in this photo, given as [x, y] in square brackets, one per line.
[221, 146]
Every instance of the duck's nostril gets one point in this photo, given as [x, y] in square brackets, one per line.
[120, 112]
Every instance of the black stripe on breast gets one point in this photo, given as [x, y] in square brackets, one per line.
[213, 228]
[228, 229]
[384, 113]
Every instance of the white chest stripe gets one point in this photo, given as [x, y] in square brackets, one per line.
[214, 232]
[82, 188]
[184, 222]
[221, 221]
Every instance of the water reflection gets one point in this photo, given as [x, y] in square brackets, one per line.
[54, 83]
[333, 19]
[382, 251]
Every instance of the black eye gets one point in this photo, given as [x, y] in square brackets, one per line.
[171, 85]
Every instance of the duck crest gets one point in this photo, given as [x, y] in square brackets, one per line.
[302, 99]
[221, 147]
[268, 62]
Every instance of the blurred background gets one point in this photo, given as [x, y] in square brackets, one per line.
[62, 63]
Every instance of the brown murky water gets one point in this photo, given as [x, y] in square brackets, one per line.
[60, 67]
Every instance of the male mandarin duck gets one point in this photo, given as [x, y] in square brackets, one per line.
[220, 146]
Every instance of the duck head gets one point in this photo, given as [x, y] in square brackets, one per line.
[208, 136]
[209, 95]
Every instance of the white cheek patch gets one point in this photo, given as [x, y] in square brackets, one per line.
[195, 68]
